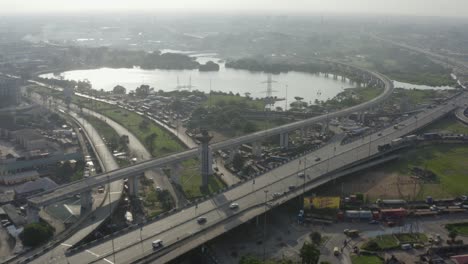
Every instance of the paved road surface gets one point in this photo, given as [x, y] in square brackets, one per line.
[57, 254]
[138, 150]
[173, 229]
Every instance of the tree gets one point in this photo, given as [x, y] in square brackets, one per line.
[144, 124]
[165, 199]
[119, 89]
[143, 90]
[250, 127]
[309, 254]
[149, 141]
[35, 234]
[316, 238]
[124, 141]
[238, 162]
[249, 260]
[453, 235]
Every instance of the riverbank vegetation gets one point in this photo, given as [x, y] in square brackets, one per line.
[403, 65]
[89, 57]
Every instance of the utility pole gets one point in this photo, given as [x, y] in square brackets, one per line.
[264, 225]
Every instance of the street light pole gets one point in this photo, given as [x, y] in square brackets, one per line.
[370, 141]
[305, 175]
[264, 225]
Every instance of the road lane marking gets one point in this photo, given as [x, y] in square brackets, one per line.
[108, 261]
[92, 253]
[66, 245]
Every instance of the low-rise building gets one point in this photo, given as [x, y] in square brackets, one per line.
[30, 139]
[17, 219]
[20, 177]
[34, 187]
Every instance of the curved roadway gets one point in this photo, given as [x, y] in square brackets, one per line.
[76, 187]
[181, 232]
[101, 202]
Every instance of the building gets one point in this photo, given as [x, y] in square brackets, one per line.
[18, 170]
[7, 197]
[30, 139]
[34, 187]
[17, 219]
[9, 91]
[19, 177]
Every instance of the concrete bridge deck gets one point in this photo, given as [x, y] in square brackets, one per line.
[181, 230]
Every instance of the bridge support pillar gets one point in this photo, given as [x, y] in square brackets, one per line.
[133, 185]
[206, 157]
[86, 199]
[232, 152]
[175, 173]
[32, 214]
[324, 128]
[284, 140]
[303, 132]
[257, 149]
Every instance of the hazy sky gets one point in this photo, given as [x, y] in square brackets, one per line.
[412, 7]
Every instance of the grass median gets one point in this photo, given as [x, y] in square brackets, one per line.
[460, 228]
[191, 180]
[366, 260]
[110, 137]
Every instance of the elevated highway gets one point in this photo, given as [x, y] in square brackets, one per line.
[64, 191]
[460, 114]
[180, 232]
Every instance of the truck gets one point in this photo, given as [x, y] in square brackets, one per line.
[384, 147]
[411, 138]
[351, 232]
[396, 142]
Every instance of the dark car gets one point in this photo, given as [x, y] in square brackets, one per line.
[201, 220]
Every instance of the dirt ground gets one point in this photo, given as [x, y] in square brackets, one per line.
[374, 185]
[6, 244]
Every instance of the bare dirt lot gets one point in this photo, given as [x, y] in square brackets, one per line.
[374, 184]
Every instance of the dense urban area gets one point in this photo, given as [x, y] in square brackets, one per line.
[241, 139]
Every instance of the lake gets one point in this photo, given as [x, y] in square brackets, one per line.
[308, 86]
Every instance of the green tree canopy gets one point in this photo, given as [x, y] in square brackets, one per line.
[316, 238]
[119, 89]
[309, 254]
[35, 234]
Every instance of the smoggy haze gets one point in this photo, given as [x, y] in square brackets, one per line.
[406, 7]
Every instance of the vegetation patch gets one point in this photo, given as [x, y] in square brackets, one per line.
[36, 234]
[406, 238]
[460, 228]
[154, 201]
[191, 180]
[366, 259]
[110, 137]
[449, 124]
[447, 161]
[382, 242]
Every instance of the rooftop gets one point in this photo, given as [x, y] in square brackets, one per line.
[41, 184]
[29, 134]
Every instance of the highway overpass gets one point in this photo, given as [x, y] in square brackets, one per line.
[136, 170]
[180, 231]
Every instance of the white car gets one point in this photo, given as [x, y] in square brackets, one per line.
[234, 205]
[276, 195]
